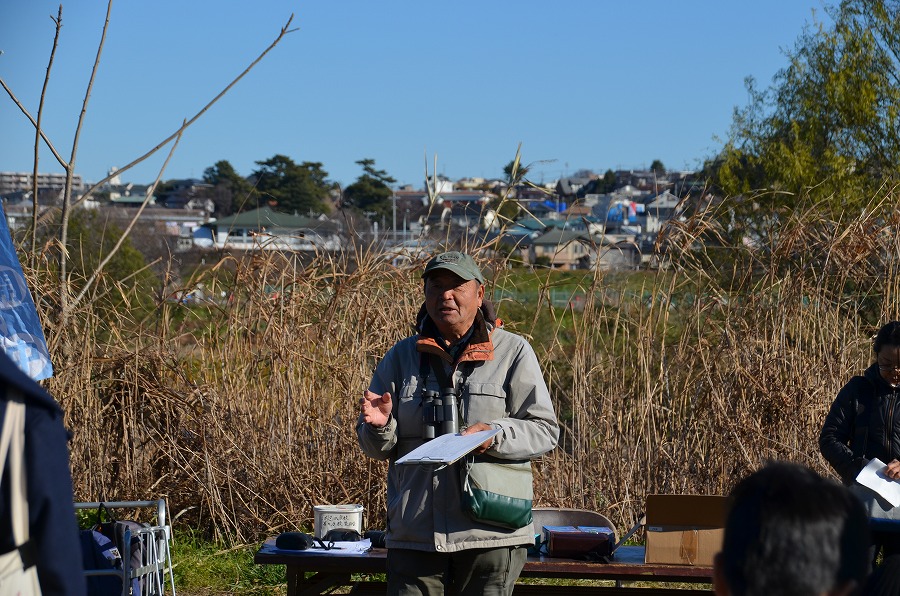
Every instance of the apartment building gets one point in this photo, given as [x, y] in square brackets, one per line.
[16, 181]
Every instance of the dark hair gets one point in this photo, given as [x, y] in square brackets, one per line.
[791, 532]
[889, 335]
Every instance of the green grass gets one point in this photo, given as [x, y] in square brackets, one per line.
[203, 568]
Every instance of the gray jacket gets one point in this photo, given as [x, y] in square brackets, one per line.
[501, 384]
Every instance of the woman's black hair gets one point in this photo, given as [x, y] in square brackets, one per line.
[889, 335]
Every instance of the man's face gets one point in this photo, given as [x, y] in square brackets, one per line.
[452, 302]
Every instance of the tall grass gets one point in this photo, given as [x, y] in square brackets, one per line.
[240, 411]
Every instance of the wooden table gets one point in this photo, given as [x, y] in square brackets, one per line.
[329, 571]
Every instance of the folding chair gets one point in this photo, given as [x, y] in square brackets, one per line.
[151, 541]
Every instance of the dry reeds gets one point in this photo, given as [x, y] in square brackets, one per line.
[240, 409]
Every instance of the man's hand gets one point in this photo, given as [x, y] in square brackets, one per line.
[892, 470]
[477, 427]
[375, 408]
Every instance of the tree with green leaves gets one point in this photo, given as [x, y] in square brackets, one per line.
[507, 209]
[92, 237]
[231, 191]
[657, 167]
[515, 171]
[600, 186]
[609, 182]
[371, 192]
[829, 125]
[290, 187]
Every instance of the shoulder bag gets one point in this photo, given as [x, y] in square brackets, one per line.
[497, 492]
[18, 575]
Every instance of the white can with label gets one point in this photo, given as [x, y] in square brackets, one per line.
[336, 517]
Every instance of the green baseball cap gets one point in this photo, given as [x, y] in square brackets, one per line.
[456, 262]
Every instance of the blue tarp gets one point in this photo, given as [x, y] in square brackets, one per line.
[622, 212]
[21, 335]
[555, 206]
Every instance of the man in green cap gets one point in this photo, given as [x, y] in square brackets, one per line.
[434, 542]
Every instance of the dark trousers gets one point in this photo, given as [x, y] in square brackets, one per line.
[885, 542]
[472, 572]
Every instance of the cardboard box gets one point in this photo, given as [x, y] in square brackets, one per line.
[578, 541]
[684, 529]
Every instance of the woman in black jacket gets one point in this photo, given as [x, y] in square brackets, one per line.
[864, 421]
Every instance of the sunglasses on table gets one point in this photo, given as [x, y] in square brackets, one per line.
[304, 541]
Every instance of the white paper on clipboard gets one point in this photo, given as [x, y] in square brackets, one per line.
[873, 477]
[446, 449]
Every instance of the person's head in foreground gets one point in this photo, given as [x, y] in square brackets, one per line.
[791, 532]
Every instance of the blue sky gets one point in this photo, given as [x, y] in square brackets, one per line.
[581, 84]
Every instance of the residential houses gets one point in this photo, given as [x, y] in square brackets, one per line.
[659, 210]
[266, 229]
[562, 225]
[562, 248]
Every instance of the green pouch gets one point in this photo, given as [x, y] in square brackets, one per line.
[497, 492]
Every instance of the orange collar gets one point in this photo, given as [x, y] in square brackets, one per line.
[480, 347]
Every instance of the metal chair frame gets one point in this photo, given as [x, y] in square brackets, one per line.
[156, 558]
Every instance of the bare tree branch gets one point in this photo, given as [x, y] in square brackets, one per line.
[18, 103]
[97, 270]
[70, 172]
[68, 204]
[37, 141]
[284, 31]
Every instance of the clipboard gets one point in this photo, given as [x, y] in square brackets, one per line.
[446, 449]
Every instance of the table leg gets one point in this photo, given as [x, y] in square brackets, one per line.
[318, 583]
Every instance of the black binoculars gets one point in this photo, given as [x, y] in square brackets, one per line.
[440, 413]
